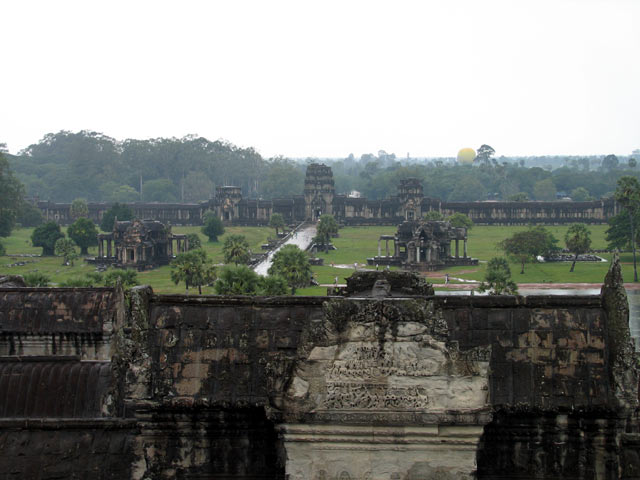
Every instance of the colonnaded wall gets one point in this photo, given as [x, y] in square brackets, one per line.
[390, 382]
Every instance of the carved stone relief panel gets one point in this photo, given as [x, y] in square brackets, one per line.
[371, 397]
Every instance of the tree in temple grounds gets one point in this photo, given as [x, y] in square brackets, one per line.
[79, 208]
[327, 227]
[194, 269]
[46, 236]
[497, 279]
[628, 195]
[276, 221]
[84, 233]
[212, 227]
[578, 241]
[65, 248]
[236, 249]
[293, 264]
[528, 245]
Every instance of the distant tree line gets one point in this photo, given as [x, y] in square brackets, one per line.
[66, 165]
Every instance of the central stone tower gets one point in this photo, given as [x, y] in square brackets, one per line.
[319, 191]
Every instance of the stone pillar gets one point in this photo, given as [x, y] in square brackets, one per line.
[379, 248]
[100, 241]
[395, 248]
[387, 246]
[108, 248]
[418, 253]
[465, 248]
[457, 251]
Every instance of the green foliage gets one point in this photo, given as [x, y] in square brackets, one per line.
[484, 156]
[194, 269]
[618, 235]
[580, 194]
[276, 221]
[77, 282]
[159, 190]
[518, 197]
[46, 236]
[544, 190]
[284, 178]
[293, 265]
[79, 208]
[628, 195]
[236, 249]
[96, 278]
[327, 227]
[527, 245]
[194, 241]
[469, 189]
[119, 211]
[212, 227]
[11, 197]
[29, 215]
[460, 220]
[433, 215]
[578, 240]
[127, 278]
[65, 248]
[84, 233]
[3, 250]
[237, 280]
[497, 278]
[36, 279]
[272, 285]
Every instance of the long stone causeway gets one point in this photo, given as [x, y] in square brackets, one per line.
[382, 381]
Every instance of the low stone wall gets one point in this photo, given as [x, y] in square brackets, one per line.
[407, 386]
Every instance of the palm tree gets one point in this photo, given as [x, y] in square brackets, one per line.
[291, 263]
[237, 280]
[236, 249]
[192, 268]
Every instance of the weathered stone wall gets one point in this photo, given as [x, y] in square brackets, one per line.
[358, 211]
[321, 387]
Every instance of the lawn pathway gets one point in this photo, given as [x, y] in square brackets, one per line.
[302, 237]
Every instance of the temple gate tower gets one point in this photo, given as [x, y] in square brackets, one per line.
[319, 191]
[410, 195]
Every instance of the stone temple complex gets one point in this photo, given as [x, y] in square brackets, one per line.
[383, 380]
[139, 244]
[319, 196]
[424, 245]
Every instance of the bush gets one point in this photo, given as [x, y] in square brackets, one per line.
[213, 227]
[46, 236]
[84, 233]
[3, 251]
[36, 279]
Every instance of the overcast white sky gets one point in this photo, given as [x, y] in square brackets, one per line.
[328, 78]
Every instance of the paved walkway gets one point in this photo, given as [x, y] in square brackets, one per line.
[302, 237]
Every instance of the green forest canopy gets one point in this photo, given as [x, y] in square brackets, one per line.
[66, 165]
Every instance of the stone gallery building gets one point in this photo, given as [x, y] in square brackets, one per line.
[424, 245]
[381, 381]
[319, 197]
[139, 244]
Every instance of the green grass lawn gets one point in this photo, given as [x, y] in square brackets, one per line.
[159, 278]
[355, 244]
